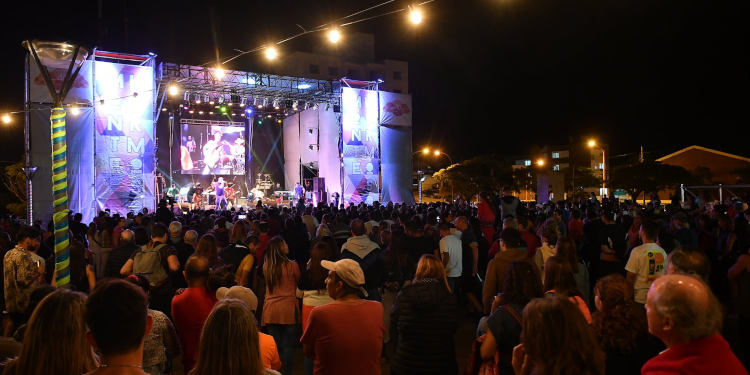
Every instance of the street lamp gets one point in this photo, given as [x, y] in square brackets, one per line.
[70, 58]
[438, 153]
[592, 144]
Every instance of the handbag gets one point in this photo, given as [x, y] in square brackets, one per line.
[476, 365]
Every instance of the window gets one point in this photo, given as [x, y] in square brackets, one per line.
[556, 167]
[397, 75]
[555, 155]
[527, 162]
[333, 71]
[314, 69]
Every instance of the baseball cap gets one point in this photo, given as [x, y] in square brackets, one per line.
[347, 270]
[241, 293]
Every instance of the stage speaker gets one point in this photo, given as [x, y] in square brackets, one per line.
[319, 190]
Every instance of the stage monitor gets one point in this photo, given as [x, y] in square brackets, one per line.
[212, 147]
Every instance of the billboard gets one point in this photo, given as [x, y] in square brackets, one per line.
[361, 152]
[212, 149]
[124, 136]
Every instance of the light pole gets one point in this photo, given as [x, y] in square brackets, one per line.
[69, 58]
[420, 172]
[592, 144]
[438, 153]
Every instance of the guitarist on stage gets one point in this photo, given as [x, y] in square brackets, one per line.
[197, 197]
[220, 197]
[213, 152]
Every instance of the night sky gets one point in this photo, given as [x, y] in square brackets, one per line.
[487, 76]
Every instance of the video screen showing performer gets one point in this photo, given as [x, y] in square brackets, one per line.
[212, 149]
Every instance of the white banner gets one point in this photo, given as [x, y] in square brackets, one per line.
[395, 109]
[81, 91]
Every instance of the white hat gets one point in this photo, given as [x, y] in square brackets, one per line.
[348, 271]
[241, 293]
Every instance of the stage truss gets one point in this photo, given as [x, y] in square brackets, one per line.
[247, 85]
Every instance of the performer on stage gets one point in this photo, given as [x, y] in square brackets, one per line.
[231, 193]
[172, 193]
[214, 154]
[197, 197]
[159, 185]
[299, 191]
[220, 197]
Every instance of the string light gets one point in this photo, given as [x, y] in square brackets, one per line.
[6, 119]
[334, 36]
[173, 90]
[271, 53]
[75, 111]
[219, 73]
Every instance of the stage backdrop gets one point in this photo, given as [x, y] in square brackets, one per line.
[292, 151]
[360, 145]
[124, 136]
[80, 142]
[395, 144]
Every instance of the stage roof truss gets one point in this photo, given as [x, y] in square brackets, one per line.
[198, 79]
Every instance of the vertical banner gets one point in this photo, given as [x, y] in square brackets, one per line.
[330, 158]
[360, 145]
[124, 138]
[291, 151]
[396, 164]
[395, 109]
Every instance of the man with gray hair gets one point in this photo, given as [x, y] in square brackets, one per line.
[689, 261]
[120, 254]
[684, 314]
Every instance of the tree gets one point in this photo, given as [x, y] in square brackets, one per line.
[15, 181]
[649, 176]
[524, 179]
[469, 177]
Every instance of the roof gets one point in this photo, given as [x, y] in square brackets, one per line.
[686, 149]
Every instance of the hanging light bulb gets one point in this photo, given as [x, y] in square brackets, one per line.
[415, 15]
[334, 36]
[173, 90]
[75, 111]
[219, 73]
[271, 53]
[6, 118]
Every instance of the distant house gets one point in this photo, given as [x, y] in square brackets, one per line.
[725, 168]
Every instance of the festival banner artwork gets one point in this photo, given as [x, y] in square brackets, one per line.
[395, 109]
[360, 145]
[124, 138]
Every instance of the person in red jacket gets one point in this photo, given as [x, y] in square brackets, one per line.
[684, 314]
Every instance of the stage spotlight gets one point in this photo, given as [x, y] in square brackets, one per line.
[265, 103]
[173, 90]
[242, 114]
[164, 109]
[219, 73]
[279, 121]
[200, 112]
[197, 99]
[307, 105]
[242, 102]
[6, 119]
[255, 101]
[211, 112]
[304, 86]
[192, 111]
[75, 111]
[221, 99]
[334, 36]
[328, 106]
[295, 104]
[415, 15]
[276, 104]
[211, 100]
[223, 109]
[135, 94]
[271, 53]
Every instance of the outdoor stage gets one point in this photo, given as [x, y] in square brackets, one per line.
[136, 127]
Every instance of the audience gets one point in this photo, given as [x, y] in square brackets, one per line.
[425, 318]
[416, 276]
[55, 338]
[347, 333]
[117, 317]
[684, 314]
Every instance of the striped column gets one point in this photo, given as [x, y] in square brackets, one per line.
[60, 197]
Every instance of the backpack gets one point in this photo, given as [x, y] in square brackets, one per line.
[147, 261]
[476, 365]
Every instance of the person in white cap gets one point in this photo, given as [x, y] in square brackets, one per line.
[269, 354]
[347, 333]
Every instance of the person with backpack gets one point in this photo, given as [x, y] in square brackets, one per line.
[368, 255]
[156, 260]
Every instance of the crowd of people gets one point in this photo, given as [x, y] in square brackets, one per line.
[574, 287]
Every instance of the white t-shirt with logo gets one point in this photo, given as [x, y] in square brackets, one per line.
[647, 262]
[452, 245]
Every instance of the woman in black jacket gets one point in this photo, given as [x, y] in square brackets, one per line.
[425, 318]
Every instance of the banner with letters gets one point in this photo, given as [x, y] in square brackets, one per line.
[124, 137]
[361, 152]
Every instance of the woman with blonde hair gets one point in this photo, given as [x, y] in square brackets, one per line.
[229, 342]
[425, 309]
[55, 338]
[281, 313]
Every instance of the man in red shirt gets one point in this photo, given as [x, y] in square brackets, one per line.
[345, 335]
[191, 308]
[684, 314]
